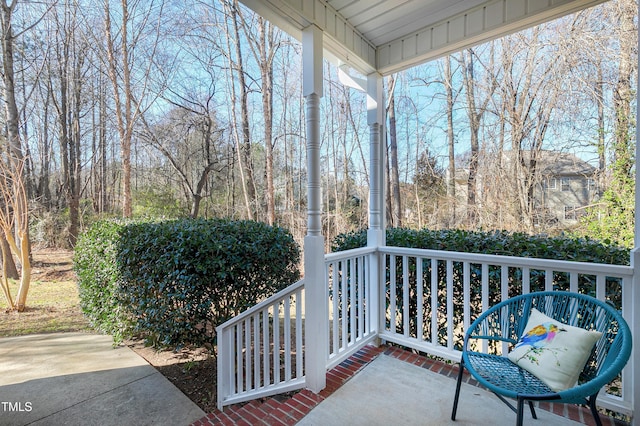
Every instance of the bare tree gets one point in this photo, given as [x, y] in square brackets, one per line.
[16, 165]
[476, 108]
[188, 139]
[66, 92]
[14, 222]
[242, 135]
[264, 49]
[394, 176]
[133, 25]
[451, 141]
[623, 91]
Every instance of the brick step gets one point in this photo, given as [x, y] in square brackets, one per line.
[281, 410]
[290, 410]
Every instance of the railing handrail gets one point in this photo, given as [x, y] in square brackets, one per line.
[266, 302]
[338, 255]
[397, 327]
[536, 263]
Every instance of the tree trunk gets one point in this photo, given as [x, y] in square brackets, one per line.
[599, 95]
[8, 264]
[265, 31]
[623, 93]
[474, 130]
[11, 107]
[244, 148]
[124, 113]
[394, 177]
[451, 180]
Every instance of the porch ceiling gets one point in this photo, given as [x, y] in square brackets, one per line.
[390, 35]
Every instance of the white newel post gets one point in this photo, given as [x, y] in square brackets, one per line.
[634, 319]
[633, 298]
[376, 231]
[316, 310]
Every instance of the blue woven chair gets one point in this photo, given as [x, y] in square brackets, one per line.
[506, 321]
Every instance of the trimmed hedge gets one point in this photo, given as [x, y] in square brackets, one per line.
[95, 264]
[172, 282]
[495, 242]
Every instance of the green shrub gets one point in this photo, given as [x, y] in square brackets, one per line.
[99, 276]
[177, 280]
[495, 242]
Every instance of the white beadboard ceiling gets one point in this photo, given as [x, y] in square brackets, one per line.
[386, 36]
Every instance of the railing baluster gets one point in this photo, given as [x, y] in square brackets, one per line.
[247, 353]
[392, 292]
[229, 354]
[485, 298]
[573, 282]
[266, 346]
[466, 295]
[335, 313]
[601, 289]
[361, 317]
[276, 343]
[299, 359]
[239, 364]
[405, 296]
[434, 302]
[548, 279]
[287, 338]
[343, 302]
[449, 303]
[420, 296]
[352, 301]
[526, 280]
[256, 351]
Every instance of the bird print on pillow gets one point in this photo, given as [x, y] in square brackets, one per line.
[540, 335]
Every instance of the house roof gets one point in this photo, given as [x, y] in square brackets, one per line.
[554, 163]
[549, 164]
[386, 36]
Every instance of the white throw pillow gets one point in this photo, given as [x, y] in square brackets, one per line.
[552, 351]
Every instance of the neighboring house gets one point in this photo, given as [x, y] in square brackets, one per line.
[568, 186]
[565, 186]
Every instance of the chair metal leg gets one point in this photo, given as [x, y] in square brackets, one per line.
[594, 410]
[459, 383]
[519, 413]
[533, 410]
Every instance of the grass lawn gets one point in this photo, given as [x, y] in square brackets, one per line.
[52, 301]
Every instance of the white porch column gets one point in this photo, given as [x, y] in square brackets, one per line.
[316, 310]
[375, 119]
[634, 296]
[376, 231]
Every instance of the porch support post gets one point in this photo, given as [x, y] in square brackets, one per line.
[633, 294]
[376, 231]
[316, 310]
[375, 119]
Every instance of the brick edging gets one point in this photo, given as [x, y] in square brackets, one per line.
[272, 411]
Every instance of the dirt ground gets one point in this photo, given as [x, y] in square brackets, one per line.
[55, 297]
[192, 370]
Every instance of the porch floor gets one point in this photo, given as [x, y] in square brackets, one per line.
[388, 385]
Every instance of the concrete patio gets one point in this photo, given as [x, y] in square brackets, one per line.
[389, 385]
[80, 379]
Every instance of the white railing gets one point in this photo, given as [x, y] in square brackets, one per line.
[443, 292]
[422, 299]
[260, 352]
[352, 303]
